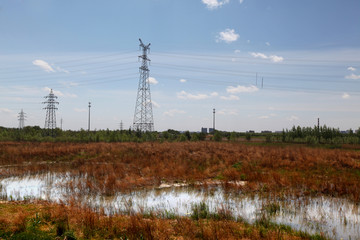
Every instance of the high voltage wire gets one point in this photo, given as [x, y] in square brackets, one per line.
[230, 58]
[41, 77]
[39, 71]
[79, 78]
[253, 74]
[76, 60]
[268, 86]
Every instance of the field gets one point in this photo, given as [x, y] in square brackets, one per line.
[106, 169]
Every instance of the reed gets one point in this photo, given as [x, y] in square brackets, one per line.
[56, 221]
[106, 168]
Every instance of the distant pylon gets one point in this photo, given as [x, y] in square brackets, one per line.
[50, 120]
[121, 126]
[143, 117]
[21, 119]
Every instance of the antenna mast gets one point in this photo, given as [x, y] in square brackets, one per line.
[143, 117]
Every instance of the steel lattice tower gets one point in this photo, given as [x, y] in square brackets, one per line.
[143, 117]
[21, 118]
[50, 120]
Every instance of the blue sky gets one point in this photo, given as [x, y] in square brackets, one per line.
[205, 54]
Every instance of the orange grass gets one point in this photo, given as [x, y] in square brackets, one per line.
[110, 167]
[57, 219]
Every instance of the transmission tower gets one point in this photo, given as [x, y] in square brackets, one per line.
[21, 119]
[121, 126]
[50, 120]
[143, 117]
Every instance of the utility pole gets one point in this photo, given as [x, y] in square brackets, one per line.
[143, 116]
[21, 118]
[61, 122]
[89, 117]
[262, 82]
[214, 120]
[319, 129]
[50, 120]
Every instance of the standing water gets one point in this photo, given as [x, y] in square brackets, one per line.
[337, 218]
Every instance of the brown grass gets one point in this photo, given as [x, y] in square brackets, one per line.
[110, 167]
[90, 225]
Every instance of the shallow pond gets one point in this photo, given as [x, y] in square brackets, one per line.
[337, 218]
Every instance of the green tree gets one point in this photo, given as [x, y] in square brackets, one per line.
[217, 136]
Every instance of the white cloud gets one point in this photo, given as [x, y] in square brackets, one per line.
[227, 112]
[241, 1]
[259, 55]
[57, 93]
[80, 109]
[152, 80]
[172, 112]
[264, 117]
[237, 51]
[69, 84]
[273, 58]
[351, 69]
[227, 36]
[229, 98]
[5, 110]
[345, 96]
[199, 96]
[59, 69]
[183, 80]
[248, 41]
[292, 118]
[353, 76]
[240, 89]
[276, 59]
[267, 44]
[213, 4]
[44, 65]
[155, 104]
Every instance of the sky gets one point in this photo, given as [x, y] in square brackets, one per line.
[262, 64]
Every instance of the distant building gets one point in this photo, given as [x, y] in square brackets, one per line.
[204, 130]
[251, 131]
[211, 130]
[266, 131]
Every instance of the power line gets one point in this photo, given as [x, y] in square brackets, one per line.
[230, 58]
[70, 61]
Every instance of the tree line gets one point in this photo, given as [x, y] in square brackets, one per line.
[309, 135]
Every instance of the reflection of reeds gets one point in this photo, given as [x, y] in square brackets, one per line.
[42, 220]
[106, 168]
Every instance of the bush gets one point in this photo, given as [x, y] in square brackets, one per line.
[217, 136]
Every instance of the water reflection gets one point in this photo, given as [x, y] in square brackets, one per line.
[338, 218]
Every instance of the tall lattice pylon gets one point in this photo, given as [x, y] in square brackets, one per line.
[143, 117]
[50, 120]
[21, 118]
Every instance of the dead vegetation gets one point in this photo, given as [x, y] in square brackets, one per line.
[109, 167]
[43, 220]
